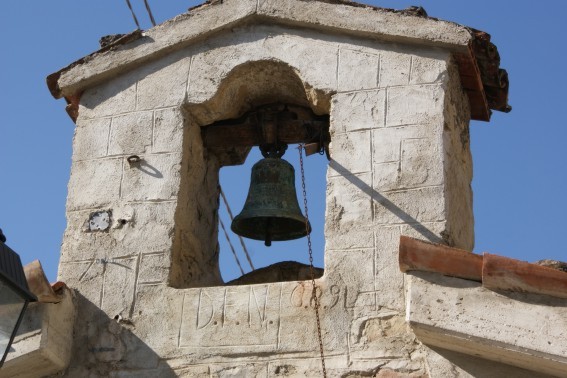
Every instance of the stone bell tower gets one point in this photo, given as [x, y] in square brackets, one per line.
[397, 89]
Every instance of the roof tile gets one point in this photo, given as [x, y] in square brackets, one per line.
[503, 273]
[429, 257]
[495, 272]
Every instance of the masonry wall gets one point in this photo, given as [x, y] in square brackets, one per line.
[151, 300]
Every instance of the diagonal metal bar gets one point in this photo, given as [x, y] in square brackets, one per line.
[231, 246]
[133, 14]
[239, 237]
[150, 12]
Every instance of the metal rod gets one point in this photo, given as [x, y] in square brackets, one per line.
[133, 14]
[150, 12]
[239, 237]
[231, 247]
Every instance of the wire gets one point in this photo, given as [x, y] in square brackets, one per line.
[231, 246]
[133, 14]
[150, 12]
[239, 237]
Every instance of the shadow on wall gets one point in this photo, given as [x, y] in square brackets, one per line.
[147, 168]
[389, 205]
[105, 346]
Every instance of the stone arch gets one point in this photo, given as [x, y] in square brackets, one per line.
[194, 260]
[257, 83]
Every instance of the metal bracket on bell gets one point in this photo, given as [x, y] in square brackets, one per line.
[275, 151]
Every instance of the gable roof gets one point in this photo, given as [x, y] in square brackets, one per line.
[477, 58]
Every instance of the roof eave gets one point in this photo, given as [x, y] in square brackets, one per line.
[199, 23]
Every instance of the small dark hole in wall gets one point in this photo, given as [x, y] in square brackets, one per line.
[284, 260]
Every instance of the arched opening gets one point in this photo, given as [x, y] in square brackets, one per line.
[221, 133]
[285, 260]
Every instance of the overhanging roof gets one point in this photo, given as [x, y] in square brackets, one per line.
[477, 58]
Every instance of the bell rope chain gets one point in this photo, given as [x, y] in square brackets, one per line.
[311, 269]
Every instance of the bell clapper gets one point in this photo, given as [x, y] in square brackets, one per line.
[268, 240]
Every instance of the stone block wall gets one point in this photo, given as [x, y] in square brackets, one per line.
[151, 300]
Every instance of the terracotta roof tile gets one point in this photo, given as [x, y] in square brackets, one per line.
[495, 272]
[418, 255]
[503, 273]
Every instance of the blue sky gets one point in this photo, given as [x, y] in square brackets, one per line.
[520, 178]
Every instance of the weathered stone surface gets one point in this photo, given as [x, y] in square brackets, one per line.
[159, 326]
[213, 62]
[395, 69]
[357, 70]
[419, 163]
[131, 133]
[365, 111]
[245, 317]
[364, 21]
[168, 130]
[116, 96]
[447, 363]
[85, 277]
[457, 166]
[429, 67]
[91, 139]
[351, 152]
[136, 228]
[460, 315]
[305, 54]
[386, 142]
[410, 105]
[411, 206]
[297, 318]
[389, 281]
[349, 212]
[94, 183]
[156, 177]
[153, 268]
[119, 285]
[164, 82]
[342, 263]
[44, 340]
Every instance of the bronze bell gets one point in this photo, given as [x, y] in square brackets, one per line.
[271, 211]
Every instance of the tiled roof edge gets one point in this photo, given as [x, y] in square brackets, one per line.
[495, 272]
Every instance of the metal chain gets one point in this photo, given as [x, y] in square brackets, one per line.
[311, 269]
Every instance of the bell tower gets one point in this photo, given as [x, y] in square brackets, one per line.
[387, 95]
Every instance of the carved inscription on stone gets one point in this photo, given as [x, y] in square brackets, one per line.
[231, 316]
[298, 324]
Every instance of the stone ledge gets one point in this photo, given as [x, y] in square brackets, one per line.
[460, 315]
[44, 341]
